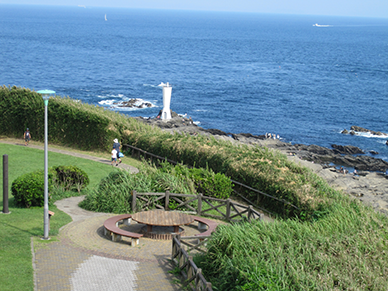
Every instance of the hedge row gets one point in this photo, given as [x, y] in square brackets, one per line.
[70, 122]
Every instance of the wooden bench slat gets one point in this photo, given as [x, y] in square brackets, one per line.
[110, 225]
[210, 224]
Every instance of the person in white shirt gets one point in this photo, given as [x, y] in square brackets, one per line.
[114, 157]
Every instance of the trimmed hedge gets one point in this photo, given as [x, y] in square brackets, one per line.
[28, 189]
[70, 122]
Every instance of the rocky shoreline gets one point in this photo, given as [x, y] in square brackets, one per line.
[369, 185]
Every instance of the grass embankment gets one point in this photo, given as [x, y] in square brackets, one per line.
[17, 228]
[345, 250]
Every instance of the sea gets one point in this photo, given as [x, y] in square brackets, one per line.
[304, 78]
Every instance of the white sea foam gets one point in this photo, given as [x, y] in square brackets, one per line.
[321, 25]
[370, 135]
[150, 85]
[107, 102]
[114, 104]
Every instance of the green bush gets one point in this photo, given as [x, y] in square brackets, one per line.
[71, 178]
[205, 180]
[28, 189]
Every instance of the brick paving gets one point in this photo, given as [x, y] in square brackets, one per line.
[84, 259]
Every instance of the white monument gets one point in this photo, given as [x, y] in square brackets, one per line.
[166, 112]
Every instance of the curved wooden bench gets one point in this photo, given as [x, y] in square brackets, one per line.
[203, 223]
[111, 227]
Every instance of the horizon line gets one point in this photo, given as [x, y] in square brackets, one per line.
[192, 10]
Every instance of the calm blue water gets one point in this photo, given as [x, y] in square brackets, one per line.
[236, 72]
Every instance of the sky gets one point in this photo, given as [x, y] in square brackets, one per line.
[359, 8]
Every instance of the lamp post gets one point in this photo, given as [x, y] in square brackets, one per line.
[46, 95]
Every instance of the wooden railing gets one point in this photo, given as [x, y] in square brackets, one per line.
[137, 152]
[192, 274]
[233, 212]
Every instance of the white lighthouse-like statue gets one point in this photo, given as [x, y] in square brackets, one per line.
[166, 112]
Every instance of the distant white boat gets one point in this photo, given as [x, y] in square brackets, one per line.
[105, 18]
[321, 25]
[82, 6]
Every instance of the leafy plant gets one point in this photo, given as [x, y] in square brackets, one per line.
[71, 178]
[204, 180]
[28, 189]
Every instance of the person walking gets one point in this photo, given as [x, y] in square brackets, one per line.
[27, 137]
[117, 146]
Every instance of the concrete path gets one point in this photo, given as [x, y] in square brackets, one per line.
[84, 259]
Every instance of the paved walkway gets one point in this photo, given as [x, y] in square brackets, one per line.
[84, 259]
[74, 154]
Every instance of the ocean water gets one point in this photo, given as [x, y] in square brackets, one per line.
[237, 72]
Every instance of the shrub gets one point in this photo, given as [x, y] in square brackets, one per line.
[114, 193]
[71, 178]
[205, 180]
[28, 189]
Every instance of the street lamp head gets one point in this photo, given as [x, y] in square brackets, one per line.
[46, 94]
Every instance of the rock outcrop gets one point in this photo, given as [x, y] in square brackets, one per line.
[354, 129]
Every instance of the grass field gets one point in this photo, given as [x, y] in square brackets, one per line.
[18, 227]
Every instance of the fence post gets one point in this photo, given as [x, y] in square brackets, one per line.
[5, 184]
[174, 247]
[228, 209]
[197, 279]
[166, 201]
[199, 210]
[189, 269]
[181, 258]
[134, 201]
[249, 212]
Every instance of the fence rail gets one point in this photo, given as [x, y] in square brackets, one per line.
[189, 270]
[136, 152]
[227, 209]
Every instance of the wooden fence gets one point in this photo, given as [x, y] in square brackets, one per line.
[225, 209]
[137, 152]
[192, 274]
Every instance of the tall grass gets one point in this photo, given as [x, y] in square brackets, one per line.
[345, 250]
[114, 193]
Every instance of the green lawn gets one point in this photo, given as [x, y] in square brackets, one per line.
[17, 228]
